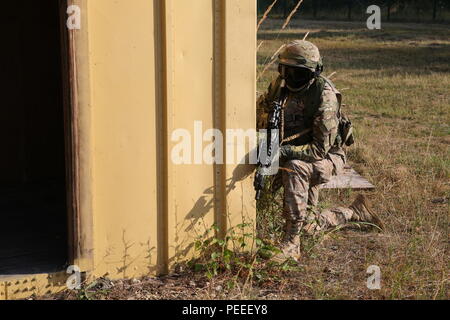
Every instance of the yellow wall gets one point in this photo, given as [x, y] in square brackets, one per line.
[190, 97]
[240, 51]
[207, 51]
[145, 68]
[122, 69]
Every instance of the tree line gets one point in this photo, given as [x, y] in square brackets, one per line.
[392, 10]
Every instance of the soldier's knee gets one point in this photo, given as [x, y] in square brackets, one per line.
[298, 166]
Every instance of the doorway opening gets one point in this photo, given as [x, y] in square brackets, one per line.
[34, 235]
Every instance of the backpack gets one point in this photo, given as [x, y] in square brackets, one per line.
[345, 130]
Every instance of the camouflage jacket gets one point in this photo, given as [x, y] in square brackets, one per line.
[315, 107]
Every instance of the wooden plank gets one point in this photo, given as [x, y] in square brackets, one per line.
[349, 179]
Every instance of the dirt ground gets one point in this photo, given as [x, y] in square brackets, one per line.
[395, 83]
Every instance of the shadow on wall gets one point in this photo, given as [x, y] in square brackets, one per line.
[130, 253]
[203, 206]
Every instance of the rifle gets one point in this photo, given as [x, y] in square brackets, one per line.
[265, 160]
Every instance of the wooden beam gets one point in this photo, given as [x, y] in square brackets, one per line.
[349, 179]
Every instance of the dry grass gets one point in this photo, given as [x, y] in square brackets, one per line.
[398, 81]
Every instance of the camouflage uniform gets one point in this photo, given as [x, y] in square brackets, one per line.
[312, 158]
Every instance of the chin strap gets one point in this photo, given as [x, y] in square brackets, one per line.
[305, 86]
[316, 74]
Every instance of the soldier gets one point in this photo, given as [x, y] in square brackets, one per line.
[313, 134]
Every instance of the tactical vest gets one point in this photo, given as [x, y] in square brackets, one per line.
[300, 109]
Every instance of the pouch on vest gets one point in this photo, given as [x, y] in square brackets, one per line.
[346, 130]
[345, 136]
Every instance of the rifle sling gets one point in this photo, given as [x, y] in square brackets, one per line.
[295, 136]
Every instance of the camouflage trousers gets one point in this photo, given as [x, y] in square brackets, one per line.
[302, 182]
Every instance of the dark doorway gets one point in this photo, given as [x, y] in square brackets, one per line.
[33, 208]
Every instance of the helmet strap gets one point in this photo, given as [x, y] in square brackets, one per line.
[282, 71]
[305, 86]
[318, 71]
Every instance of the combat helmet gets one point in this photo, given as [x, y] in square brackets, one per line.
[303, 54]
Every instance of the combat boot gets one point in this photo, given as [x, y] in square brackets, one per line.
[362, 211]
[290, 246]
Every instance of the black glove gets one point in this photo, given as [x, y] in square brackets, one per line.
[289, 152]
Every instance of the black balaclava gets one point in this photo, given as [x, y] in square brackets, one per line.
[296, 77]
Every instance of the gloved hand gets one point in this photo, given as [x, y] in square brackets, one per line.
[289, 152]
[285, 151]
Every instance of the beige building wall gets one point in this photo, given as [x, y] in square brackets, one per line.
[125, 149]
[155, 67]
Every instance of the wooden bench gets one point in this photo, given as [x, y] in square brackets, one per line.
[348, 179]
